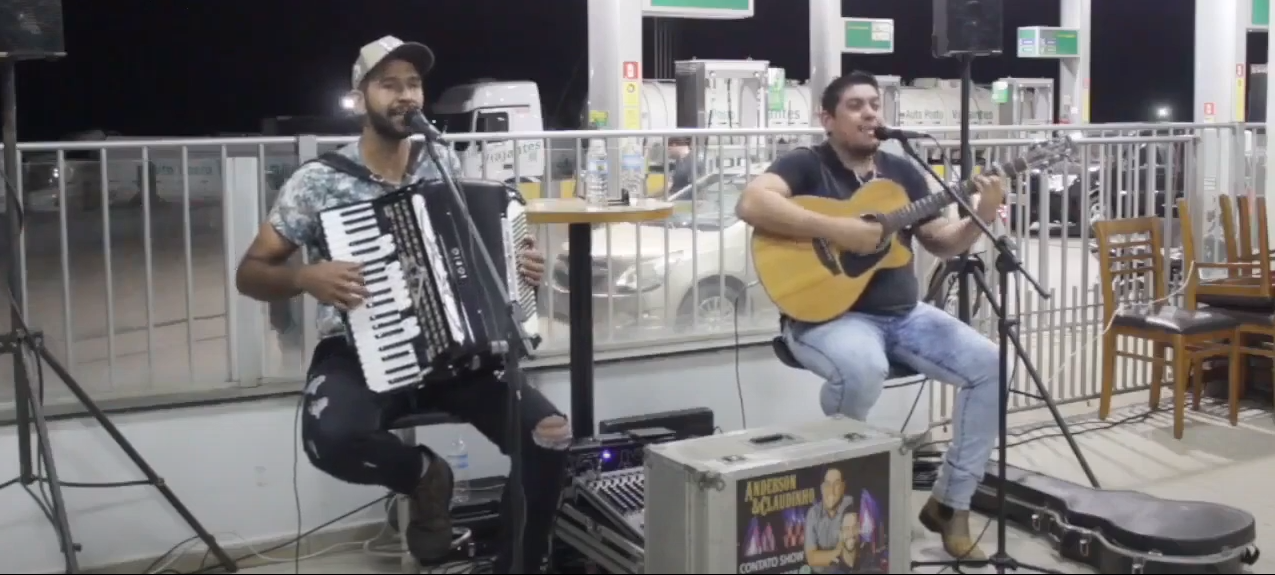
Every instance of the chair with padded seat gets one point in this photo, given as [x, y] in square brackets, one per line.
[405, 428]
[1194, 335]
[1247, 291]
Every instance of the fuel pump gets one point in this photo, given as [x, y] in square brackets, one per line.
[723, 94]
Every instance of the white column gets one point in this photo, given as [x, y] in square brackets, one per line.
[825, 50]
[615, 38]
[1268, 189]
[615, 57]
[1220, 45]
[1073, 75]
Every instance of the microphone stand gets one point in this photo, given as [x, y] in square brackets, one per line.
[1006, 263]
[512, 347]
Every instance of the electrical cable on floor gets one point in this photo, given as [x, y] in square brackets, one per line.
[296, 462]
[161, 564]
[739, 377]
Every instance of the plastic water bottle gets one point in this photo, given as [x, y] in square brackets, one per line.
[459, 461]
[632, 172]
[595, 179]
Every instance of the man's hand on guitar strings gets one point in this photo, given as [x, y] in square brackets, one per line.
[991, 194]
[856, 235]
[531, 263]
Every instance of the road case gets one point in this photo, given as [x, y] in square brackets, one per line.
[754, 501]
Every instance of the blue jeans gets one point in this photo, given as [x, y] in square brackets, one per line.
[853, 354]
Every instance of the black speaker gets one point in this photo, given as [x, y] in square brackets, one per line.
[972, 27]
[31, 29]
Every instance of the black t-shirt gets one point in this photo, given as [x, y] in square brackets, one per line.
[891, 291]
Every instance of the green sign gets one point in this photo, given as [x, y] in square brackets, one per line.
[1045, 42]
[775, 80]
[1261, 14]
[868, 36]
[1000, 92]
[706, 9]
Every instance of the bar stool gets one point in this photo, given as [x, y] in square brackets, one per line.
[405, 428]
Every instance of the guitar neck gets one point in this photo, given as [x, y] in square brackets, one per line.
[934, 203]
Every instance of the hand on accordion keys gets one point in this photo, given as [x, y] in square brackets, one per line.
[531, 263]
[339, 284]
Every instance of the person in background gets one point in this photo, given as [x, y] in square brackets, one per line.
[681, 163]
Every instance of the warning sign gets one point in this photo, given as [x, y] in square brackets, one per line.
[632, 71]
[1210, 112]
[632, 95]
[1239, 70]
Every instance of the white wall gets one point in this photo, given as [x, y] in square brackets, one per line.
[232, 465]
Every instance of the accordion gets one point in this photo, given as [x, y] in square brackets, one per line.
[433, 312]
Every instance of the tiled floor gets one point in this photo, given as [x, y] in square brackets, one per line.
[1214, 462]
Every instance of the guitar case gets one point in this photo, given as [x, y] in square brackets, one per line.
[1123, 531]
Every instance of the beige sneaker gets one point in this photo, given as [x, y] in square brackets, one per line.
[954, 527]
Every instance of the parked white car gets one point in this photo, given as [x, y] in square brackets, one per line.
[690, 269]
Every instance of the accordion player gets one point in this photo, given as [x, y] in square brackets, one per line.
[432, 309]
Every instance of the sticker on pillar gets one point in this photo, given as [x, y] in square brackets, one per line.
[775, 86]
[1210, 112]
[632, 119]
[599, 119]
[632, 71]
[1000, 92]
[1239, 99]
[632, 94]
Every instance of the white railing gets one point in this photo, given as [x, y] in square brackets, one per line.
[130, 247]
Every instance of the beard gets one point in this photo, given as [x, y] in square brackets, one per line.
[862, 149]
[389, 125]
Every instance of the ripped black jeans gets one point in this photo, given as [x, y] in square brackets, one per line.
[344, 432]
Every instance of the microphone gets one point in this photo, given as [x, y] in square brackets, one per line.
[884, 133]
[417, 123]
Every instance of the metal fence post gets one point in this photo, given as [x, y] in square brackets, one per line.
[245, 317]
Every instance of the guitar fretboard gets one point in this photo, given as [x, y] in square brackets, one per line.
[934, 203]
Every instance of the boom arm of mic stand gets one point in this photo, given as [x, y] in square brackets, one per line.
[513, 350]
[1005, 255]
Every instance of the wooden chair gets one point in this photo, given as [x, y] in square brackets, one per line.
[1193, 335]
[1247, 293]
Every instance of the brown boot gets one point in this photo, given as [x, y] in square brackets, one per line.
[429, 535]
[954, 527]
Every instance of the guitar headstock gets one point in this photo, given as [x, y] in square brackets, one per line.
[1042, 154]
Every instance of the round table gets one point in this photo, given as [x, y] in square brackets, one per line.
[580, 217]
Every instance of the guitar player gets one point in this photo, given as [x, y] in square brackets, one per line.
[887, 323]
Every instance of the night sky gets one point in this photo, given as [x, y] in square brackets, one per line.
[200, 67]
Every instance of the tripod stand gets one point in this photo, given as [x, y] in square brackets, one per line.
[1006, 263]
[20, 341]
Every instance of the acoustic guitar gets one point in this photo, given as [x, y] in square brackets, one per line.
[814, 281]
